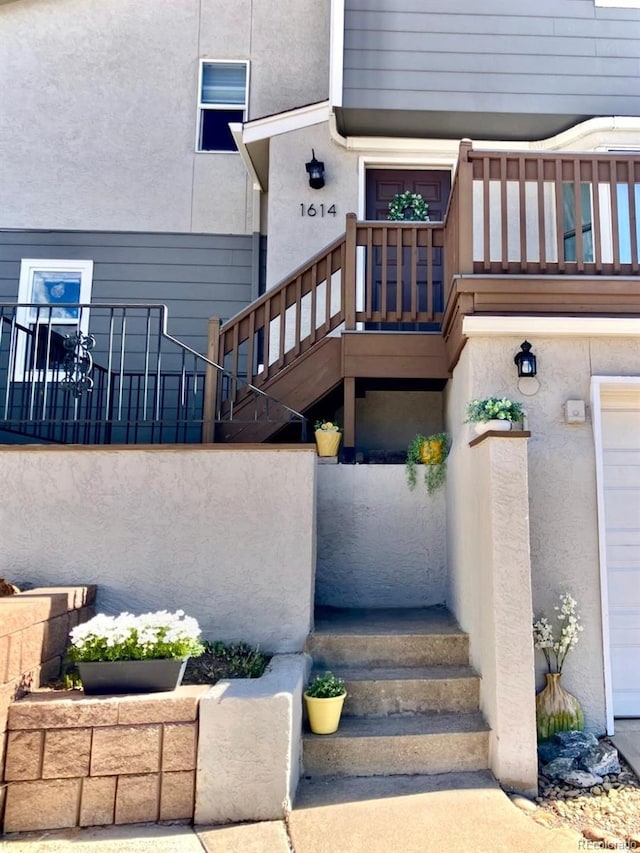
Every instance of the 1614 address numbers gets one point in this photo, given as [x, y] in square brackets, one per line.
[320, 210]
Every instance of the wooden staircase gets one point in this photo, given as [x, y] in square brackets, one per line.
[412, 704]
[302, 338]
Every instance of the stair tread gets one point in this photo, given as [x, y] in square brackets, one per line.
[366, 622]
[407, 725]
[397, 673]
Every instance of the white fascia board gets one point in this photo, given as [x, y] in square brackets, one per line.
[475, 326]
[336, 53]
[265, 128]
[236, 132]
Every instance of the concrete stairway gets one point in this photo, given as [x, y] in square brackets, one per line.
[412, 704]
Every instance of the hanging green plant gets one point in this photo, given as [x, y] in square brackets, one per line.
[408, 207]
[430, 451]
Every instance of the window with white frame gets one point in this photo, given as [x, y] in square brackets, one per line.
[222, 99]
[51, 294]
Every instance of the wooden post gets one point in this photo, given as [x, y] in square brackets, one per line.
[465, 208]
[349, 273]
[349, 439]
[211, 382]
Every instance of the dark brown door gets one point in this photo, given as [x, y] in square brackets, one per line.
[434, 186]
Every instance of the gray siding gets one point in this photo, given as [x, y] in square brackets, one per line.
[527, 68]
[195, 276]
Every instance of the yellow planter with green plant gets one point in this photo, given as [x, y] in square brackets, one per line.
[324, 698]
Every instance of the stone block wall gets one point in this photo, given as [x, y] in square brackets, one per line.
[76, 761]
[34, 629]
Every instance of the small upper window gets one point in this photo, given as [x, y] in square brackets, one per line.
[223, 99]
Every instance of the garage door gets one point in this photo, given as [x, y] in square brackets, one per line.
[621, 482]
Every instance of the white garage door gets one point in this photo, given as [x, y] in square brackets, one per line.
[621, 481]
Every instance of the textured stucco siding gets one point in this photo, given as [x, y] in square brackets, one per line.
[498, 468]
[562, 490]
[249, 747]
[296, 237]
[99, 109]
[379, 545]
[451, 63]
[227, 535]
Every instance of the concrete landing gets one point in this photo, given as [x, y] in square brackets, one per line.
[453, 812]
[627, 741]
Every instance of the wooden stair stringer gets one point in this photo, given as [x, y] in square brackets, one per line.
[299, 385]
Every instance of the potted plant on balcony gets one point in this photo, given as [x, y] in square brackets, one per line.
[493, 413]
[430, 451]
[327, 434]
[134, 654]
[324, 698]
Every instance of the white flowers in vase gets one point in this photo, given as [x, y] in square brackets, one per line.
[555, 650]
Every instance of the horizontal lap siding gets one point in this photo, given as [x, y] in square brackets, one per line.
[195, 276]
[547, 56]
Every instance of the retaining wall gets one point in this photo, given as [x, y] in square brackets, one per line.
[34, 628]
[76, 761]
[210, 754]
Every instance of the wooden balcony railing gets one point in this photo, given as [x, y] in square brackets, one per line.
[509, 213]
[567, 213]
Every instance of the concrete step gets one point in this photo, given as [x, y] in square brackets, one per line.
[399, 745]
[412, 637]
[379, 691]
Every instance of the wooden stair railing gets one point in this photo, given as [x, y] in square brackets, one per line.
[378, 272]
[285, 322]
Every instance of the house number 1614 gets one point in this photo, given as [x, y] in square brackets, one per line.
[317, 210]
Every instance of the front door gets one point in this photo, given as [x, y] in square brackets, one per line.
[620, 412]
[434, 185]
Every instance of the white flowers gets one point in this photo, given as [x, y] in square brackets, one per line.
[128, 637]
[544, 639]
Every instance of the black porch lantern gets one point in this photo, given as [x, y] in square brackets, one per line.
[526, 360]
[315, 169]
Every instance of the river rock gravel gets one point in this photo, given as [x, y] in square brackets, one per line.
[607, 813]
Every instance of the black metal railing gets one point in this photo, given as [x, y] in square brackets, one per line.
[112, 374]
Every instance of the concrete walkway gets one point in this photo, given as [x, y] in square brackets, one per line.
[400, 814]
[627, 741]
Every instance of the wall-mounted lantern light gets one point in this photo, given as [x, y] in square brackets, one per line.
[315, 168]
[526, 360]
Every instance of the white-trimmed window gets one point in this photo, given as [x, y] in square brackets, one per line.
[58, 286]
[222, 98]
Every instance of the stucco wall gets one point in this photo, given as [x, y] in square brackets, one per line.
[294, 238]
[100, 103]
[562, 489]
[226, 534]
[379, 545]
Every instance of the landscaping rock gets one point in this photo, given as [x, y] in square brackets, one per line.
[558, 766]
[581, 739]
[600, 760]
[548, 750]
[580, 778]
[523, 803]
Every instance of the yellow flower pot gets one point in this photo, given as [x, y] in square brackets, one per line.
[327, 442]
[432, 452]
[324, 714]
